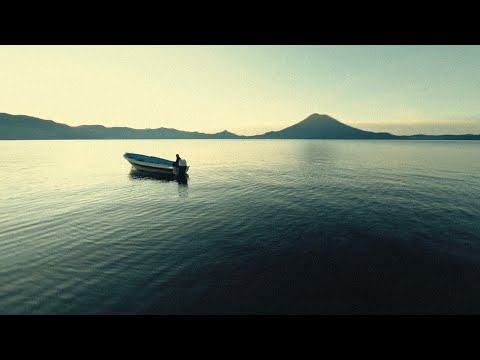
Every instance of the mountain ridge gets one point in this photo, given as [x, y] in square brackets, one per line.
[318, 126]
[315, 126]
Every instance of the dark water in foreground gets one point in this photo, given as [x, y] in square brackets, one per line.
[261, 227]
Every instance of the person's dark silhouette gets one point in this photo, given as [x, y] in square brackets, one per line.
[177, 160]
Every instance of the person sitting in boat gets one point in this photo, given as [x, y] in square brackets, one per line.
[175, 164]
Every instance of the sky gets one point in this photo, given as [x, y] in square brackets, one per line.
[246, 89]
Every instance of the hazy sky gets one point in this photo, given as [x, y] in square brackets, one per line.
[246, 89]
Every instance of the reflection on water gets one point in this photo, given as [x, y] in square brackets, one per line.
[182, 187]
[141, 175]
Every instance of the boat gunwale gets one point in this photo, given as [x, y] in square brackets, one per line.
[144, 162]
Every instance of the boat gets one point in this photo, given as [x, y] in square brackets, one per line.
[156, 165]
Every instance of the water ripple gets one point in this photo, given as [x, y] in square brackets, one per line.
[308, 227]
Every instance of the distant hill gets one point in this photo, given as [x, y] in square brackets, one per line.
[323, 127]
[444, 137]
[27, 127]
[22, 127]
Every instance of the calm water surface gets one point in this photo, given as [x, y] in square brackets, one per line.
[260, 227]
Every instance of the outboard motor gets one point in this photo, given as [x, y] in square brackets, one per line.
[182, 167]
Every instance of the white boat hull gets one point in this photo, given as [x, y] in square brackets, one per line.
[154, 168]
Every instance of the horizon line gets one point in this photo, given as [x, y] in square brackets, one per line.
[223, 131]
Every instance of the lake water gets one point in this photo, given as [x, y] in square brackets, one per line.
[260, 227]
